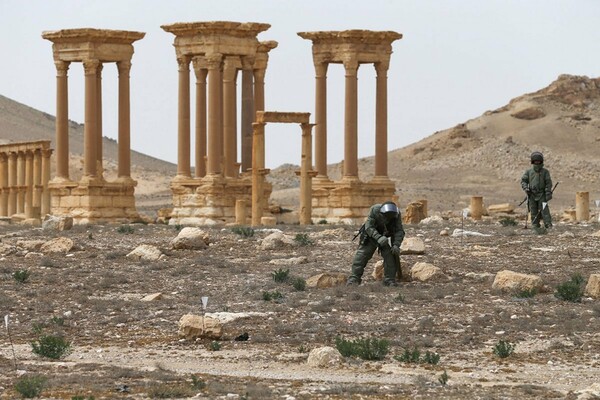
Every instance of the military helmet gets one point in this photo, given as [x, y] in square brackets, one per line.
[389, 207]
[537, 156]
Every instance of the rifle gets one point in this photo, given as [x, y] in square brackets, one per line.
[360, 232]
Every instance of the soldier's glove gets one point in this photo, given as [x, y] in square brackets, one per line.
[395, 250]
[382, 242]
[548, 196]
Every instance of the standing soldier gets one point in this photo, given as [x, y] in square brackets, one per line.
[536, 182]
[382, 227]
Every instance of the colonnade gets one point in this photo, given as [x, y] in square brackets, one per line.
[24, 176]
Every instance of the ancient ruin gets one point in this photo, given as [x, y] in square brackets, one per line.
[24, 176]
[258, 164]
[350, 198]
[92, 199]
[217, 50]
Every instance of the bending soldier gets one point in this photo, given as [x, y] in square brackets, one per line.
[383, 226]
[536, 182]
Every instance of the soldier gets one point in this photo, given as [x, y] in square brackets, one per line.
[536, 182]
[383, 226]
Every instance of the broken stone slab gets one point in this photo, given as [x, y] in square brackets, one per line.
[57, 223]
[424, 272]
[461, 232]
[153, 297]
[145, 252]
[327, 280]
[289, 261]
[191, 238]
[324, 357]
[276, 240]
[592, 289]
[506, 208]
[227, 317]
[57, 245]
[30, 245]
[510, 281]
[195, 326]
[412, 245]
[434, 219]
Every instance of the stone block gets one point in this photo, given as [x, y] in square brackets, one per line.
[510, 281]
[324, 357]
[195, 326]
[70, 202]
[424, 272]
[327, 280]
[268, 221]
[501, 208]
[592, 289]
[123, 201]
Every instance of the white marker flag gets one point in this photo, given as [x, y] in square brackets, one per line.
[544, 205]
[6, 321]
[465, 213]
[597, 203]
[204, 302]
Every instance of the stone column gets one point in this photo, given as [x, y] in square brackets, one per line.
[248, 115]
[321, 120]
[124, 162]
[258, 166]
[381, 135]
[351, 120]
[183, 120]
[4, 185]
[200, 151]
[62, 120]
[99, 152]
[582, 206]
[20, 182]
[37, 182]
[12, 183]
[305, 176]
[240, 212]
[28, 184]
[46, 154]
[476, 207]
[229, 116]
[259, 91]
[214, 111]
[90, 129]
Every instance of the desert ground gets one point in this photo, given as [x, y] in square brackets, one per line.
[125, 348]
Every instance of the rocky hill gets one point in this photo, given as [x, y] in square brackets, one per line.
[483, 156]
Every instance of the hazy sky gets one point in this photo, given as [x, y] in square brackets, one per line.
[457, 59]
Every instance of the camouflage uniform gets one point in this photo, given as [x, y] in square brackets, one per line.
[376, 227]
[536, 182]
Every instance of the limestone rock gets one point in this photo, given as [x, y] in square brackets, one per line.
[414, 213]
[529, 114]
[57, 223]
[434, 219]
[444, 232]
[324, 357]
[378, 272]
[412, 245]
[191, 238]
[153, 297]
[506, 208]
[6, 249]
[592, 289]
[289, 261]
[58, 245]
[514, 281]
[195, 326]
[568, 215]
[145, 252]
[276, 240]
[423, 272]
[31, 245]
[333, 234]
[327, 280]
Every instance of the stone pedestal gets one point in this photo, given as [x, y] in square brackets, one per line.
[348, 200]
[582, 206]
[94, 201]
[212, 199]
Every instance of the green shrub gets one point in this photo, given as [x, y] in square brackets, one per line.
[409, 356]
[178, 227]
[280, 275]
[367, 349]
[59, 321]
[30, 386]
[50, 346]
[244, 231]
[21, 275]
[399, 298]
[128, 229]
[299, 284]
[503, 348]
[443, 379]
[507, 221]
[197, 383]
[214, 346]
[303, 240]
[526, 293]
[274, 295]
[571, 290]
[431, 358]
[79, 397]
[302, 349]
[322, 222]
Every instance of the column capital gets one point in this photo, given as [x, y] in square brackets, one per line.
[214, 60]
[46, 153]
[29, 154]
[91, 67]
[247, 62]
[123, 67]
[230, 66]
[259, 75]
[184, 63]
[382, 67]
[61, 67]
[321, 69]
[351, 65]
[200, 67]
